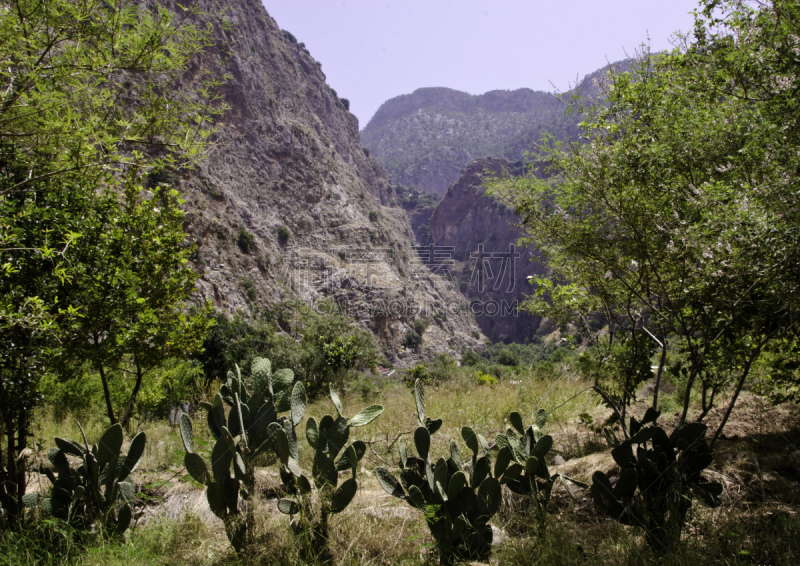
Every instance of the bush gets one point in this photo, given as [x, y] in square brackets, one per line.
[246, 240]
[373, 216]
[412, 340]
[507, 357]
[418, 372]
[420, 326]
[283, 235]
[470, 358]
[486, 379]
[249, 287]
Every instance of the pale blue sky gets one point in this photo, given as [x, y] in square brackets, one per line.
[373, 50]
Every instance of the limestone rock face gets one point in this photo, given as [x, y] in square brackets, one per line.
[495, 279]
[288, 206]
[426, 138]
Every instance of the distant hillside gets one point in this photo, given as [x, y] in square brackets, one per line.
[425, 139]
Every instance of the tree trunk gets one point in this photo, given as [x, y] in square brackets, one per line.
[660, 370]
[134, 393]
[739, 386]
[107, 394]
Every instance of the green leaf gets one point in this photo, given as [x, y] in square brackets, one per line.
[366, 416]
[343, 495]
[516, 422]
[471, 439]
[134, 456]
[288, 507]
[336, 402]
[298, 403]
[187, 434]
[389, 483]
[109, 445]
[422, 440]
[312, 432]
[196, 467]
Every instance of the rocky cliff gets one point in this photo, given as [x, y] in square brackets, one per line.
[288, 206]
[489, 268]
[426, 138]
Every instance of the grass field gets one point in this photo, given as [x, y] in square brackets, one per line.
[758, 463]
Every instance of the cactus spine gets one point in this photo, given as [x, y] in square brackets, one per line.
[457, 507]
[658, 481]
[246, 433]
[100, 489]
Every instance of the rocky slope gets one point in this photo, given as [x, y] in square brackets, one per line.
[288, 206]
[426, 138]
[489, 268]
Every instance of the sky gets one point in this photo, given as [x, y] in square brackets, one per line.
[374, 50]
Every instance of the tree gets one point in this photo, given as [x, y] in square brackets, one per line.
[96, 95]
[676, 215]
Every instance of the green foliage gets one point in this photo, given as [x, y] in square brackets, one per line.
[658, 481]
[328, 439]
[283, 235]
[96, 93]
[245, 240]
[669, 219]
[522, 463]
[373, 216]
[457, 506]
[100, 491]
[251, 429]
[412, 339]
[249, 287]
[420, 326]
[485, 379]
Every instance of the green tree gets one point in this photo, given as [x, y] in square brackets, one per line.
[95, 96]
[676, 215]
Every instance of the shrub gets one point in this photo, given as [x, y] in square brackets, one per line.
[283, 235]
[250, 429]
[327, 438]
[249, 287]
[470, 358]
[101, 491]
[246, 240]
[507, 357]
[486, 379]
[366, 151]
[457, 507]
[417, 373]
[658, 481]
[420, 326]
[373, 216]
[345, 103]
[412, 340]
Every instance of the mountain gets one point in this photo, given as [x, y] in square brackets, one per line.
[489, 268]
[287, 206]
[426, 138]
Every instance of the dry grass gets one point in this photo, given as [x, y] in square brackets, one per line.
[758, 464]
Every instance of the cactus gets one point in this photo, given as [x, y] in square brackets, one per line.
[245, 434]
[658, 481]
[332, 455]
[457, 506]
[522, 466]
[100, 489]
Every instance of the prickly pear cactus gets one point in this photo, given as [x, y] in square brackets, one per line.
[457, 505]
[658, 481]
[522, 462]
[100, 490]
[240, 437]
[332, 454]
